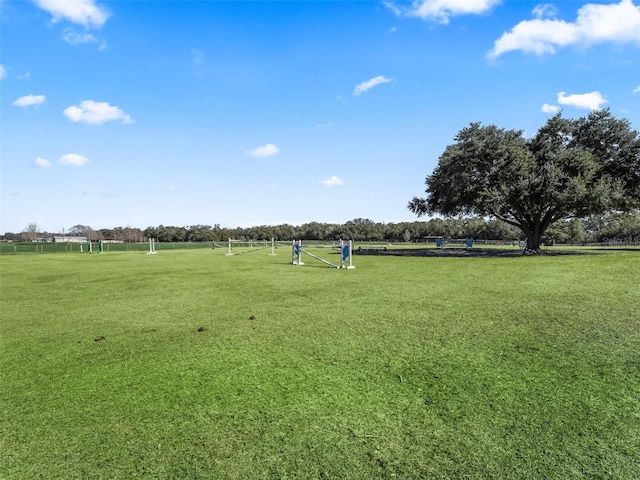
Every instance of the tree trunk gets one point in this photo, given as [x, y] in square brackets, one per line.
[534, 240]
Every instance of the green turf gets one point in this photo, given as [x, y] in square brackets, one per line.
[525, 367]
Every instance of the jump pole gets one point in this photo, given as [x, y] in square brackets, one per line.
[273, 246]
[253, 247]
[320, 259]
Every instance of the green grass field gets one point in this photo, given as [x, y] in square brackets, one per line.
[405, 367]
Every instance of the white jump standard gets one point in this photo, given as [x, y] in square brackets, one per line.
[152, 246]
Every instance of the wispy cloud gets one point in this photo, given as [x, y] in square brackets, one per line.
[73, 159]
[74, 38]
[29, 100]
[333, 181]
[595, 23]
[41, 163]
[590, 101]
[198, 62]
[3, 72]
[267, 150]
[545, 10]
[82, 12]
[96, 113]
[442, 10]
[197, 57]
[369, 84]
[637, 89]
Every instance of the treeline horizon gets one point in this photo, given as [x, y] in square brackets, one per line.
[601, 228]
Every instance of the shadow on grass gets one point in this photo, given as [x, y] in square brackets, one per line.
[463, 252]
[618, 249]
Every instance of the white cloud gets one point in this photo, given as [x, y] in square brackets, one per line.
[637, 89]
[332, 182]
[74, 38]
[616, 23]
[29, 100]
[73, 159]
[267, 150]
[546, 108]
[545, 10]
[3, 72]
[441, 10]
[590, 101]
[81, 12]
[42, 163]
[369, 84]
[95, 113]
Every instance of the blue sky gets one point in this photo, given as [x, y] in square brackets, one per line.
[239, 113]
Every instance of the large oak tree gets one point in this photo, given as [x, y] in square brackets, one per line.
[571, 168]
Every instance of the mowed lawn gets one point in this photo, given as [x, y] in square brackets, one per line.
[192, 364]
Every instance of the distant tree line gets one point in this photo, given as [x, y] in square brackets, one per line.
[359, 230]
[593, 229]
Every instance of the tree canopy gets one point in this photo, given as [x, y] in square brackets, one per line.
[568, 169]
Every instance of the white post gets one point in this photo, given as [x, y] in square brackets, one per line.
[229, 252]
[350, 255]
[300, 262]
[273, 243]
